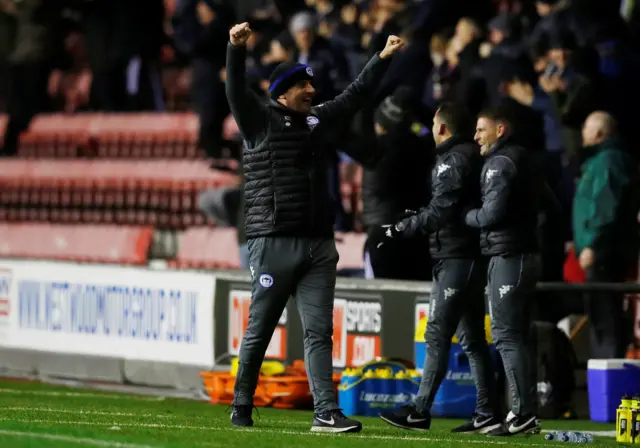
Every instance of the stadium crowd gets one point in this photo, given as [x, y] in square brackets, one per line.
[550, 63]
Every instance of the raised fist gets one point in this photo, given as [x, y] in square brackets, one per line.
[239, 34]
[394, 43]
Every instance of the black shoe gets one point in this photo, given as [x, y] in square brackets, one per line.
[241, 415]
[479, 424]
[517, 424]
[408, 417]
[334, 421]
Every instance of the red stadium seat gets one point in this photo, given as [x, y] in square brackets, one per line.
[84, 243]
[351, 249]
[115, 190]
[205, 247]
[3, 126]
[137, 135]
[230, 129]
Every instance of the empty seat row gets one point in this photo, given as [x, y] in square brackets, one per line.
[164, 135]
[175, 175]
[162, 220]
[81, 243]
[217, 248]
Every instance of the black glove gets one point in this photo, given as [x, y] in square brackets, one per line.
[407, 214]
[391, 231]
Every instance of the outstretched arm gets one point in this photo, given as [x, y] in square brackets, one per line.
[245, 105]
[446, 202]
[360, 91]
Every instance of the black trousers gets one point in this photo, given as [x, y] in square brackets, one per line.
[282, 267]
[210, 103]
[610, 330]
[457, 307]
[27, 97]
[511, 290]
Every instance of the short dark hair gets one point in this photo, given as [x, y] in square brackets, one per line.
[497, 114]
[456, 118]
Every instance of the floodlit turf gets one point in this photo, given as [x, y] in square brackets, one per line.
[37, 416]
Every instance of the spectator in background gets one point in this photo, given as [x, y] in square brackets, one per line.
[38, 50]
[554, 16]
[7, 44]
[571, 91]
[123, 40]
[281, 49]
[399, 182]
[605, 230]
[440, 84]
[199, 26]
[329, 67]
[466, 44]
[506, 52]
[226, 207]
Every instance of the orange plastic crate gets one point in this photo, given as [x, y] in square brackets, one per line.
[287, 391]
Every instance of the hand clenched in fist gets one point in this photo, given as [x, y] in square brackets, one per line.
[239, 34]
[394, 43]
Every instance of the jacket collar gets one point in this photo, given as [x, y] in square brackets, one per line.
[448, 144]
[276, 105]
[613, 142]
[498, 145]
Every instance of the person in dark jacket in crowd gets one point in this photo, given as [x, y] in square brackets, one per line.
[198, 27]
[399, 182]
[457, 297]
[508, 223]
[605, 230]
[289, 216]
[36, 53]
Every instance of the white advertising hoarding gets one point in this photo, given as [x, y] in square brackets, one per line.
[112, 311]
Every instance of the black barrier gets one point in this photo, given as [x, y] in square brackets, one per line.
[622, 288]
[371, 317]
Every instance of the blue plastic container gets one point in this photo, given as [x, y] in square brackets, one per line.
[608, 380]
[456, 396]
[349, 391]
[376, 387]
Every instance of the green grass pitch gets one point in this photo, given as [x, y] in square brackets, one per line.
[35, 415]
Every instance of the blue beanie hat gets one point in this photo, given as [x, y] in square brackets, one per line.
[286, 75]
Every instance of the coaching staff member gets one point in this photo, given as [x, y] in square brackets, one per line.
[508, 221]
[289, 217]
[459, 275]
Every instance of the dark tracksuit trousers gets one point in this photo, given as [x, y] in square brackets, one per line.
[511, 288]
[282, 267]
[457, 302]
[609, 333]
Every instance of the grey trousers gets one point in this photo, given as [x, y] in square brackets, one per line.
[457, 303]
[511, 289]
[282, 267]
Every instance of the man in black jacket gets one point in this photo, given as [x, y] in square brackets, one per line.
[400, 181]
[508, 221]
[289, 217]
[457, 299]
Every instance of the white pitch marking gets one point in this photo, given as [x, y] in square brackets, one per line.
[79, 440]
[80, 412]
[47, 393]
[488, 441]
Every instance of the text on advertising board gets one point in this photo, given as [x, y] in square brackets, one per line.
[156, 314]
[109, 311]
[356, 332]
[5, 286]
[239, 303]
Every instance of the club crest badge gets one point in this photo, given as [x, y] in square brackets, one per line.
[312, 121]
